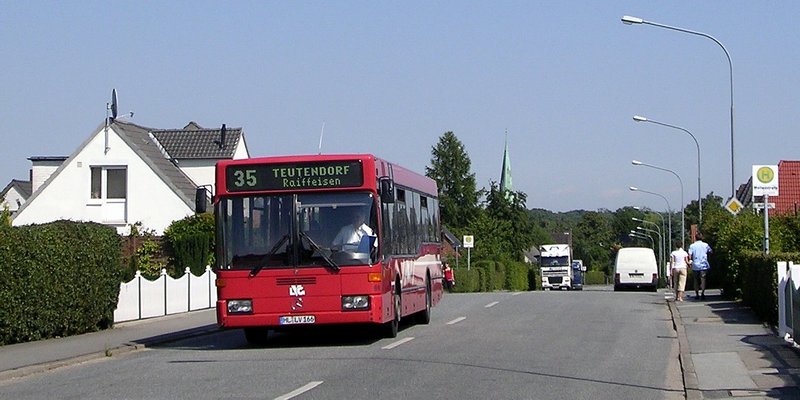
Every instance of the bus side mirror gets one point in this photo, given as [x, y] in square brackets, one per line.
[386, 187]
[200, 200]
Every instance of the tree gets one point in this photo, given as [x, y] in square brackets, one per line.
[493, 241]
[511, 209]
[591, 238]
[450, 168]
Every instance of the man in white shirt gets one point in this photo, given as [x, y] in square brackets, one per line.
[350, 235]
[679, 260]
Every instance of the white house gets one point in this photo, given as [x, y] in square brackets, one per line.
[125, 173]
[15, 194]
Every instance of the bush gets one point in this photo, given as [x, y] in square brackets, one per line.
[467, 281]
[534, 278]
[516, 276]
[594, 278]
[59, 279]
[759, 277]
[190, 243]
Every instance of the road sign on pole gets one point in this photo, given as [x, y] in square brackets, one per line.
[469, 243]
[765, 180]
[765, 183]
[733, 205]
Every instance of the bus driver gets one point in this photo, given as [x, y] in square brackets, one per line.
[349, 237]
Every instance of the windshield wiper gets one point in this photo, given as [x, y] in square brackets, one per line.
[266, 257]
[320, 251]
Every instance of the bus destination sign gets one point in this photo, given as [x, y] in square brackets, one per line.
[300, 175]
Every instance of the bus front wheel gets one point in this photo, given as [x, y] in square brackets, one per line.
[424, 316]
[390, 328]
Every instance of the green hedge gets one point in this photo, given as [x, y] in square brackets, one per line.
[759, 282]
[58, 279]
[594, 278]
[534, 278]
[516, 276]
[467, 281]
[487, 276]
[190, 243]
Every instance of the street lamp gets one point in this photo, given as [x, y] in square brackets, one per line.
[660, 240]
[628, 20]
[683, 220]
[663, 254]
[634, 234]
[639, 118]
[669, 210]
[663, 222]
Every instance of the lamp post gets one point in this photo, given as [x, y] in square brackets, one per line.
[664, 251]
[669, 211]
[634, 234]
[628, 20]
[683, 220]
[663, 222]
[660, 245]
[639, 118]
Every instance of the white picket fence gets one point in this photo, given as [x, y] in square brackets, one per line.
[789, 301]
[142, 298]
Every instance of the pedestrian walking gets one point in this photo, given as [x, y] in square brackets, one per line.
[679, 260]
[698, 255]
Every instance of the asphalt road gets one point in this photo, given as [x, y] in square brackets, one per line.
[594, 344]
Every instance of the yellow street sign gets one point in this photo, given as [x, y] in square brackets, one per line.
[733, 205]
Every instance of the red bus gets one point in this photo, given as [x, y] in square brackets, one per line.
[324, 239]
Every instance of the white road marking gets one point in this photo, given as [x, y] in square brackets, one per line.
[492, 304]
[457, 320]
[397, 343]
[517, 293]
[299, 391]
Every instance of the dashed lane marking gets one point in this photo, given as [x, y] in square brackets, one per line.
[492, 304]
[457, 320]
[299, 391]
[398, 343]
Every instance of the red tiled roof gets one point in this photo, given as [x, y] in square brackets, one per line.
[788, 199]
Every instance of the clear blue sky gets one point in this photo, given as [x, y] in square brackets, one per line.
[563, 78]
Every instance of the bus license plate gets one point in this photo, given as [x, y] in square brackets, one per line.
[297, 319]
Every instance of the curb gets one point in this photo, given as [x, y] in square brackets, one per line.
[107, 353]
[691, 385]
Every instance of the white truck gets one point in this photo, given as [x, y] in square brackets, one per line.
[555, 266]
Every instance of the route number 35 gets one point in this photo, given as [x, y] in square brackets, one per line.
[245, 178]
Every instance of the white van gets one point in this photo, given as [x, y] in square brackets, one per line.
[636, 268]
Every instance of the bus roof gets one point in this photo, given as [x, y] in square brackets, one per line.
[402, 176]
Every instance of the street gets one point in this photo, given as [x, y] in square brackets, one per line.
[593, 344]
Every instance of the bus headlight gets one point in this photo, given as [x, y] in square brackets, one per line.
[355, 302]
[243, 306]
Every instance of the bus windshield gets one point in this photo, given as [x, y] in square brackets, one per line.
[297, 230]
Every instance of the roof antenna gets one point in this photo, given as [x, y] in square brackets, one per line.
[110, 107]
[320, 137]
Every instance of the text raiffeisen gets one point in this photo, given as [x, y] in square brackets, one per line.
[319, 176]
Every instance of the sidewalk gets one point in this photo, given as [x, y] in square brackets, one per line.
[727, 353]
[23, 359]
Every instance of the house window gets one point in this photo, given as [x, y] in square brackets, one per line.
[116, 183]
[109, 183]
[96, 181]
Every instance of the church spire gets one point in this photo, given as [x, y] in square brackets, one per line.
[506, 186]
